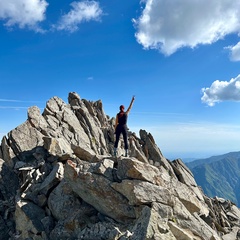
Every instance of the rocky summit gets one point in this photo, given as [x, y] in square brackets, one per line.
[59, 180]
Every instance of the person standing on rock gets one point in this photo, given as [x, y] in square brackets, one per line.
[121, 127]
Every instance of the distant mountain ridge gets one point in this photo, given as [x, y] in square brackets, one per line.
[219, 175]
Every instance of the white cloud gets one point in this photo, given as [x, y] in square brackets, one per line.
[169, 25]
[24, 13]
[10, 100]
[19, 101]
[81, 11]
[234, 52]
[222, 91]
[12, 107]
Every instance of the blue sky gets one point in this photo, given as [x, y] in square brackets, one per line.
[179, 58]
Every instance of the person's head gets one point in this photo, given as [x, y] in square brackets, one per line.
[121, 108]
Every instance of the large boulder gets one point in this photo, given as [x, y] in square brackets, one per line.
[182, 172]
[62, 200]
[96, 190]
[29, 219]
[132, 168]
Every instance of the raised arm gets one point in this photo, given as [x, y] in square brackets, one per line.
[130, 106]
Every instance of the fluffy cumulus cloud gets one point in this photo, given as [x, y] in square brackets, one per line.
[234, 52]
[29, 13]
[222, 91]
[169, 25]
[81, 11]
[23, 13]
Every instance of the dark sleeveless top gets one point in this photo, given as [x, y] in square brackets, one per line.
[122, 118]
